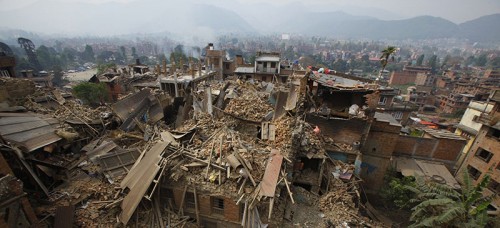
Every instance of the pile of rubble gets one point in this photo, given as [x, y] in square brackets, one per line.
[250, 106]
[247, 154]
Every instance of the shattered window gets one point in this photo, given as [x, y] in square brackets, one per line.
[217, 205]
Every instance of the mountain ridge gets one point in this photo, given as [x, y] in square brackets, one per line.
[199, 19]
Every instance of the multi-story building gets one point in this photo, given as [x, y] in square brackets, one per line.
[484, 155]
[420, 97]
[425, 79]
[455, 102]
[267, 66]
[469, 127]
[400, 110]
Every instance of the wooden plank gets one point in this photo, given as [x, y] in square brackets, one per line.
[270, 179]
[197, 208]
[264, 130]
[272, 132]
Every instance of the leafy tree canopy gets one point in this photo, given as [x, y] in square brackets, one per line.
[91, 93]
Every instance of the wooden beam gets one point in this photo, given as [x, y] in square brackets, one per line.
[271, 204]
[288, 187]
[197, 208]
[181, 207]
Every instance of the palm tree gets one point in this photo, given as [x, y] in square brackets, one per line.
[440, 205]
[387, 54]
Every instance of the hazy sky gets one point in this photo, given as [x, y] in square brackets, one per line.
[107, 17]
[454, 10]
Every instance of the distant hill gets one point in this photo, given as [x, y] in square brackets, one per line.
[220, 20]
[193, 18]
[483, 29]
[340, 24]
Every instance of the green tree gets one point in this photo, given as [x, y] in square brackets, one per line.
[420, 60]
[124, 53]
[495, 62]
[387, 54]
[91, 93]
[445, 61]
[395, 190]
[134, 53]
[88, 54]
[57, 79]
[439, 205]
[433, 63]
[101, 68]
[482, 60]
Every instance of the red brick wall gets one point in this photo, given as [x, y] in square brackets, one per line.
[205, 205]
[383, 138]
[441, 149]
[373, 171]
[378, 148]
[344, 131]
[401, 78]
[231, 210]
[448, 149]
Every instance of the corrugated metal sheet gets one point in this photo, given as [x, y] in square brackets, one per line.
[28, 131]
[443, 134]
[128, 105]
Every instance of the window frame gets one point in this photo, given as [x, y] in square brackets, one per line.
[473, 172]
[486, 159]
[384, 100]
[188, 204]
[494, 186]
[217, 205]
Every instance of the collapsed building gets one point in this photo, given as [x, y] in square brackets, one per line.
[184, 148]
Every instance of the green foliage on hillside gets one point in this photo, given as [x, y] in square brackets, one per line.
[91, 93]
